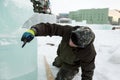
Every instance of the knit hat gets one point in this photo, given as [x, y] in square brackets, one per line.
[82, 36]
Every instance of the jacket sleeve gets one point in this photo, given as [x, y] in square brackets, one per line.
[44, 29]
[88, 70]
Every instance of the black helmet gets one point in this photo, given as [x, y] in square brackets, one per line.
[82, 36]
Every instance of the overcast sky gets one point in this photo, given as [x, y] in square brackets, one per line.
[64, 6]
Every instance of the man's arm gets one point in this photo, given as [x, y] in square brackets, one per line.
[44, 29]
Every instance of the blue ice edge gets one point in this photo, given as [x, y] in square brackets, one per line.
[17, 63]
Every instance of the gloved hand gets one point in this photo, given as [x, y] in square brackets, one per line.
[28, 36]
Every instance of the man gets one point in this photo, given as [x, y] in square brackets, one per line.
[75, 50]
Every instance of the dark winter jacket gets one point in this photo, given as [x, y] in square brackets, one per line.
[84, 57]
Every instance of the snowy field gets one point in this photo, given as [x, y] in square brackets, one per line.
[107, 62]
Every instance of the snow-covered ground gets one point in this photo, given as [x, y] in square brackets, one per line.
[107, 62]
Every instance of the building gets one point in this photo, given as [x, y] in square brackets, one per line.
[63, 15]
[96, 16]
[114, 17]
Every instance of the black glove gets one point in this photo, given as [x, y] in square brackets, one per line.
[28, 36]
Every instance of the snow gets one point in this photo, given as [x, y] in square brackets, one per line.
[107, 61]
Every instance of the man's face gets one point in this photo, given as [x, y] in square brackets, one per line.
[71, 44]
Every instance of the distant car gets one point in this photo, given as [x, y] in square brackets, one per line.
[64, 20]
[114, 28]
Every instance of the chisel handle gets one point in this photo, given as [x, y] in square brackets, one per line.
[24, 43]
